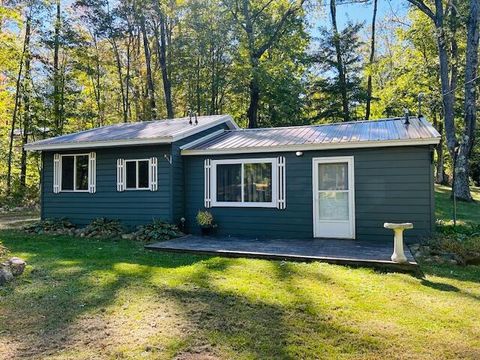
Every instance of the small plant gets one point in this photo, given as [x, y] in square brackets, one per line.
[206, 222]
[157, 231]
[103, 228]
[50, 226]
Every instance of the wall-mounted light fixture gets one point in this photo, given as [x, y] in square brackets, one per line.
[168, 157]
[299, 153]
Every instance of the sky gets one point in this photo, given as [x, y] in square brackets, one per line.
[359, 12]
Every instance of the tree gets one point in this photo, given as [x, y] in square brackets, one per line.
[261, 35]
[339, 87]
[460, 152]
[370, 63]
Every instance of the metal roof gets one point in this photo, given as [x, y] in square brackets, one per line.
[368, 133]
[146, 132]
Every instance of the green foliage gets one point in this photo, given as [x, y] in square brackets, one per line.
[49, 226]
[205, 219]
[157, 231]
[326, 88]
[103, 228]
[462, 240]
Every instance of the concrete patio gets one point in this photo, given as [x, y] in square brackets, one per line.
[345, 252]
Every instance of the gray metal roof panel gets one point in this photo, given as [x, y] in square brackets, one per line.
[160, 131]
[373, 131]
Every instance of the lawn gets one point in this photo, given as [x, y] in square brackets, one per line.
[84, 298]
[466, 212]
[104, 299]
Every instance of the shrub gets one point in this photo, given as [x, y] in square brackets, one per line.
[462, 241]
[205, 219]
[50, 226]
[103, 228]
[157, 231]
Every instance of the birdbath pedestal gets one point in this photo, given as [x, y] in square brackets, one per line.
[398, 255]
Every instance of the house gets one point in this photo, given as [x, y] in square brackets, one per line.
[328, 181]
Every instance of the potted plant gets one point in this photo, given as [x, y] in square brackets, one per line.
[205, 220]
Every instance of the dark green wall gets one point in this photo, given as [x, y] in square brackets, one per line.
[131, 207]
[391, 185]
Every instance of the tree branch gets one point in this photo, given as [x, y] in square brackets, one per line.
[254, 16]
[423, 7]
[291, 10]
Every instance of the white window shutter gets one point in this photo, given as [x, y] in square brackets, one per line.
[153, 173]
[208, 195]
[281, 188]
[57, 173]
[92, 172]
[120, 175]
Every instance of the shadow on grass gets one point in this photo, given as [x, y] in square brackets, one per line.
[69, 278]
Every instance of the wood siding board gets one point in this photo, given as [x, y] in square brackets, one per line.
[388, 194]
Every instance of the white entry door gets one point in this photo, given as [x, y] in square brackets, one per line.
[333, 197]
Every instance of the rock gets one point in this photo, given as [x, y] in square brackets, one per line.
[414, 247]
[17, 266]
[130, 236]
[473, 259]
[5, 274]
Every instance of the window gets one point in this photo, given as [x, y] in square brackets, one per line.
[244, 183]
[74, 176]
[137, 174]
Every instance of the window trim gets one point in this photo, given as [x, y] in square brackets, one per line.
[74, 173]
[136, 175]
[213, 183]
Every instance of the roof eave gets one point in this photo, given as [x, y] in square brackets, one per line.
[97, 144]
[307, 147]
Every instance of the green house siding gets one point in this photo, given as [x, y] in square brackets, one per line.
[391, 185]
[132, 207]
[178, 178]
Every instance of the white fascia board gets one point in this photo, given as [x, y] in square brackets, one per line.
[98, 144]
[38, 146]
[307, 147]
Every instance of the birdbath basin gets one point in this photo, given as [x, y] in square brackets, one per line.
[398, 255]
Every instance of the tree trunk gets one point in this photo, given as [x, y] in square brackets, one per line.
[340, 66]
[27, 117]
[148, 63]
[461, 186]
[56, 76]
[162, 60]
[26, 46]
[118, 63]
[440, 176]
[197, 86]
[254, 101]
[447, 91]
[372, 57]
[213, 79]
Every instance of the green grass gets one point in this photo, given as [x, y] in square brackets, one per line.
[466, 212]
[85, 298]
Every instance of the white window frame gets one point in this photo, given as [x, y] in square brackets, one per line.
[149, 175]
[74, 173]
[213, 183]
